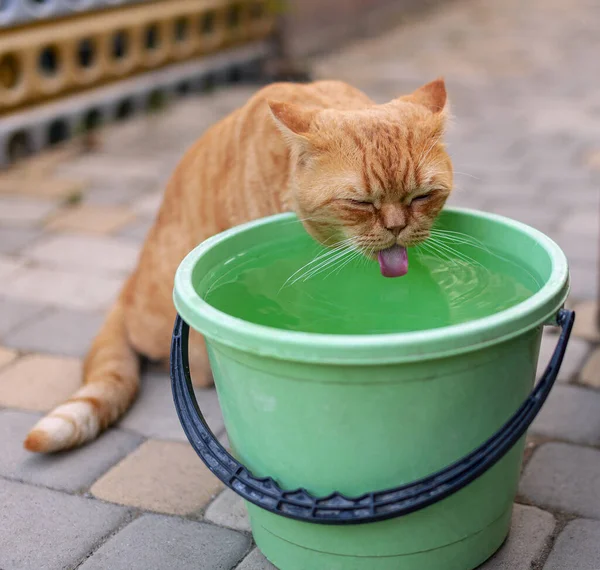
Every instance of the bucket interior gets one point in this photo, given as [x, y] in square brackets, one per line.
[276, 275]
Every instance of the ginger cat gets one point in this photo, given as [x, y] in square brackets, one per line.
[348, 167]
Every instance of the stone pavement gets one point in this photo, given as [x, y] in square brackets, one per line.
[523, 78]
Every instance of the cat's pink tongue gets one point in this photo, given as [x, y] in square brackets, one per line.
[393, 261]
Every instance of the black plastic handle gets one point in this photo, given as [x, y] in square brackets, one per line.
[336, 508]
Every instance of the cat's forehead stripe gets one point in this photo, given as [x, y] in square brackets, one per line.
[378, 178]
[393, 158]
[365, 175]
[407, 173]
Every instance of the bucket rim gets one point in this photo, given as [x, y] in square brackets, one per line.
[385, 348]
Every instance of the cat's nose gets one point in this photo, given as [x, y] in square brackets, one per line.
[396, 229]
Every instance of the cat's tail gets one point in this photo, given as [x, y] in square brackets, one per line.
[111, 375]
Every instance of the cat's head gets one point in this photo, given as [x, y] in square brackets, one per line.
[374, 178]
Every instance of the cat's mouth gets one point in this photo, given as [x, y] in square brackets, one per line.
[393, 261]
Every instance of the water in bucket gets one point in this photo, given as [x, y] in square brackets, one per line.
[296, 285]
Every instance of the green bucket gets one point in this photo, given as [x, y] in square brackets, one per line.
[399, 450]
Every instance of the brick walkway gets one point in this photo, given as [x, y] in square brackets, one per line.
[523, 77]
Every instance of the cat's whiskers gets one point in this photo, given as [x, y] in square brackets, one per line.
[305, 220]
[455, 240]
[356, 250]
[460, 173]
[368, 254]
[301, 220]
[434, 165]
[460, 237]
[323, 257]
[343, 263]
[436, 251]
[460, 255]
[328, 256]
[327, 264]
[452, 252]
[470, 241]
[358, 254]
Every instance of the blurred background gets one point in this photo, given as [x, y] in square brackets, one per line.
[99, 99]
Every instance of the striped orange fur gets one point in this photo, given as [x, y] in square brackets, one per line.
[348, 167]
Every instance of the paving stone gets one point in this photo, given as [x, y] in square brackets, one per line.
[89, 218]
[583, 222]
[37, 166]
[568, 180]
[148, 205]
[578, 247]
[513, 192]
[38, 382]
[162, 476]
[592, 160]
[13, 313]
[586, 324]
[589, 198]
[225, 99]
[14, 239]
[40, 528]
[53, 187]
[590, 374]
[577, 547]
[36, 177]
[530, 530]
[228, 509]
[583, 195]
[118, 139]
[584, 280]
[92, 253]
[540, 219]
[564, 477]
[19, 211]
[153, 413]
[492, 180]
[60, 331]
[137, 231]
[101, 167]
[9, 268]
[51, 157]
[575, 356]
[467, 199]
[224, 441]
[571, 414]
[113, 194]
[73, 470]
[256, 561]
[62, 288]
[155, 542]
[6, 357]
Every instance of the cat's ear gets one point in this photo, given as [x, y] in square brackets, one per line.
[432, 96]
[294, 123]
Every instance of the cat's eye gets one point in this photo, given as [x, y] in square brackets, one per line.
[422, 197]
[363, 203]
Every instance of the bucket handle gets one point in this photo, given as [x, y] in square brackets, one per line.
[337, 509]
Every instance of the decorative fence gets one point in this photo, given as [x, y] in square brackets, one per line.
[70, 65]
